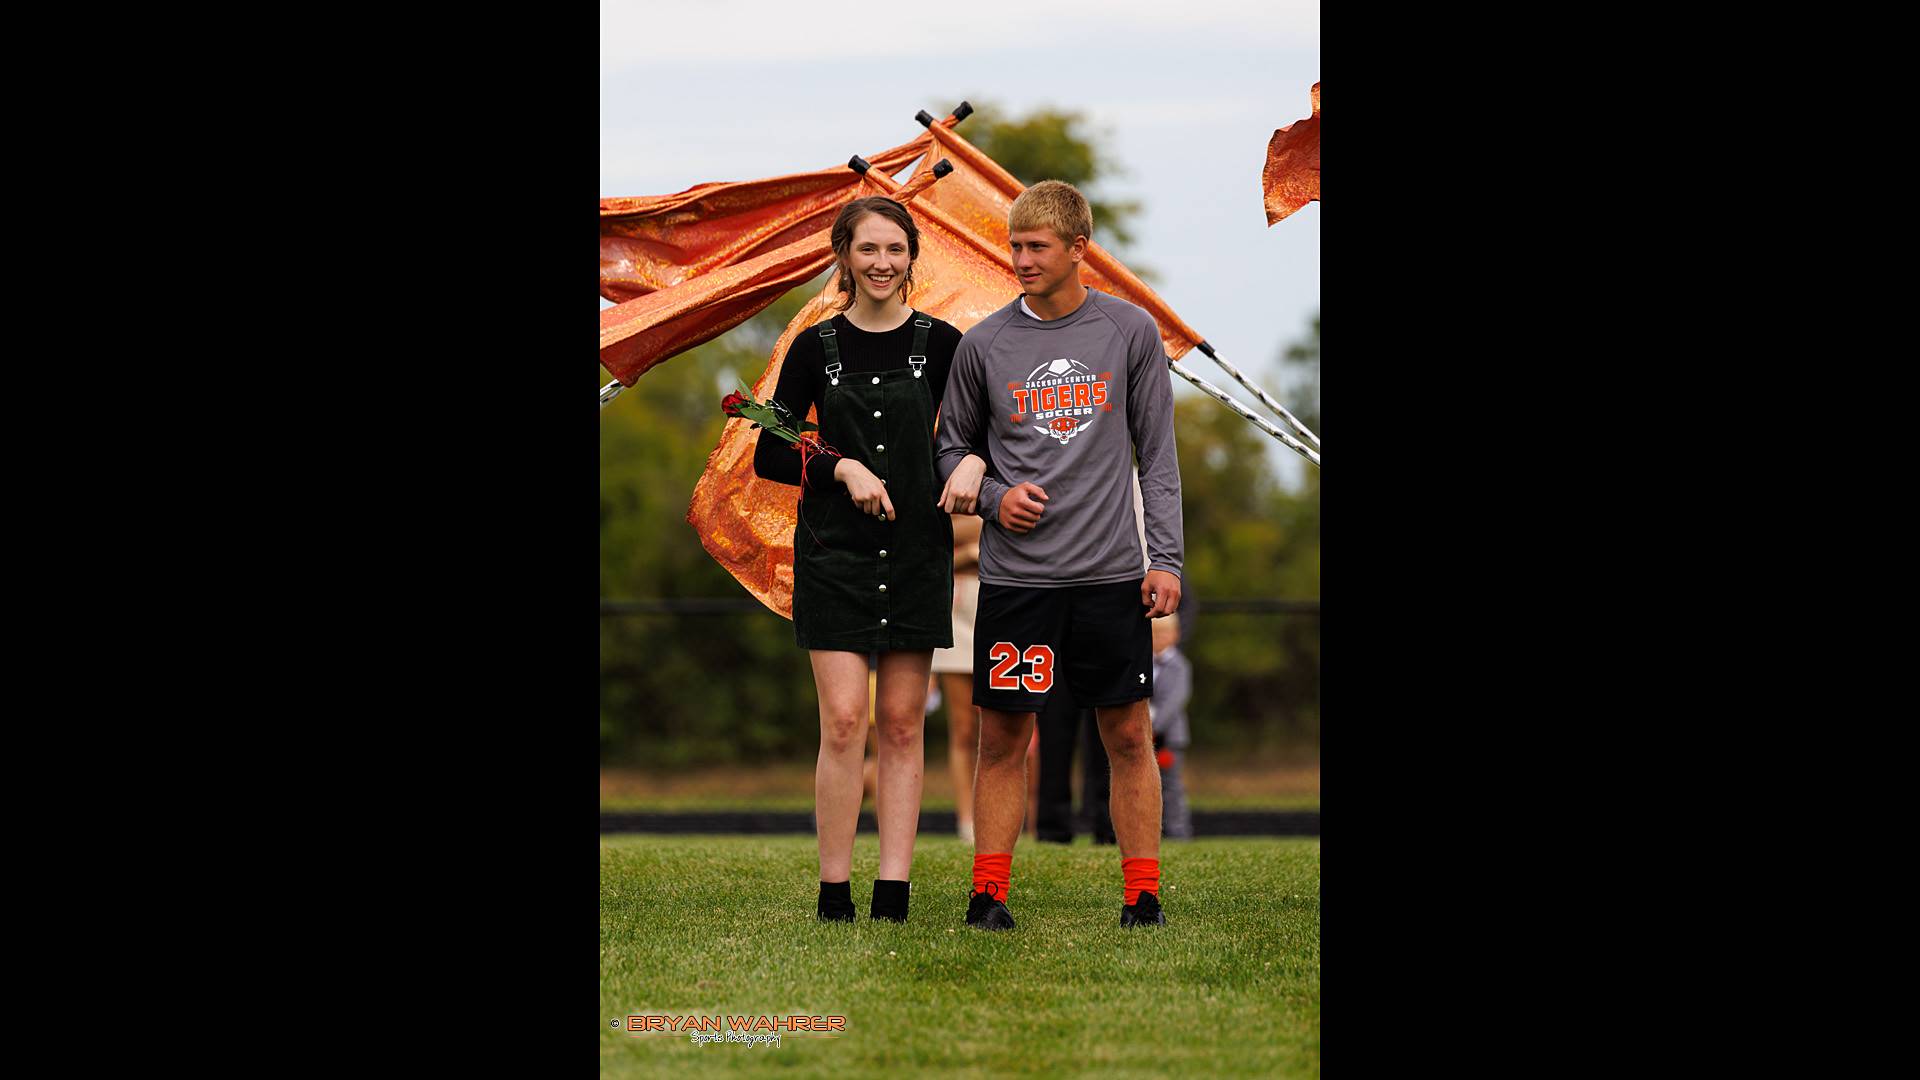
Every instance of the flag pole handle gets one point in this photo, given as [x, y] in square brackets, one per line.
[861, 165]
[1265, 398]
[960, 112]
[1257, 420]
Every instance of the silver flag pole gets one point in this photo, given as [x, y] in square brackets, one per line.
[609, 392]
[1265, 398]
[1257, 420]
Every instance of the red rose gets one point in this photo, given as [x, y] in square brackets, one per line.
[732, 402]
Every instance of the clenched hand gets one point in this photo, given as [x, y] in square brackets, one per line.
[1020, 507]
[1160, 593]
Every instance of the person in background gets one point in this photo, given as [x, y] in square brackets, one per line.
[1056, 728]
[954, 669]
[1172, 686]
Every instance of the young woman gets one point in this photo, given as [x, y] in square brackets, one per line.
[873, 549]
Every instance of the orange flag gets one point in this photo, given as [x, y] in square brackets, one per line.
[656, 242]
[978, 195]
[747, 523]
[1292, 176]
[964, 273]
[641, 332]
[744, 522]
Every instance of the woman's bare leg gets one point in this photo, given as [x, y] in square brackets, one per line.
[840, 679]
[901, 705]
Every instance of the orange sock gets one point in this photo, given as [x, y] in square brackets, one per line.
[1138, 876]
[994, 873]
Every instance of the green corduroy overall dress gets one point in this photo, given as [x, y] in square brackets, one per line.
[861, 583]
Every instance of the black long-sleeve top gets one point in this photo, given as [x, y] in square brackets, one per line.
[803, 383]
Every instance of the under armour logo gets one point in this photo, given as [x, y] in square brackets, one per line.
[1143, 678]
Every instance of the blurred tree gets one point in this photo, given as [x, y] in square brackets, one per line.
[1049, 144]
[680, 690]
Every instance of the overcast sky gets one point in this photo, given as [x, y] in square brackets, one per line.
[1184, 96]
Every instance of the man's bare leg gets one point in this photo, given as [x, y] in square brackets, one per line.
[1000, 780]
[1135, 800]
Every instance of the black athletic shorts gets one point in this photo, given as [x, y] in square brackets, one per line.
[1096, 637]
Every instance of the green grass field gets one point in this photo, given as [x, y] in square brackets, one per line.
[712, 926]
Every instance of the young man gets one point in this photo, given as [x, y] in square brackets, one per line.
[1065, 386]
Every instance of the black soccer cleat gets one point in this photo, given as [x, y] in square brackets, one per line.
[1143, 912]
[986, 912]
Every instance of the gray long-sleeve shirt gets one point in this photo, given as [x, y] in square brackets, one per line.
[1066, 404]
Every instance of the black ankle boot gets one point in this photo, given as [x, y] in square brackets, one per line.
[836, 901]
[889, 901]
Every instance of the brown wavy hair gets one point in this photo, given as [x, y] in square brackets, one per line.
[842, 237]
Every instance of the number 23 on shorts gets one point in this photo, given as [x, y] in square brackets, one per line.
[1039, 677]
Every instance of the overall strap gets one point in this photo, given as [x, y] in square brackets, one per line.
[918, 358]
[827, 333]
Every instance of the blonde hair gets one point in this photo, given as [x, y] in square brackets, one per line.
[1055, 205]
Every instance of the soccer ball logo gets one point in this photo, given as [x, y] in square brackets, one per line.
[1059, 369]
[1062, 428]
